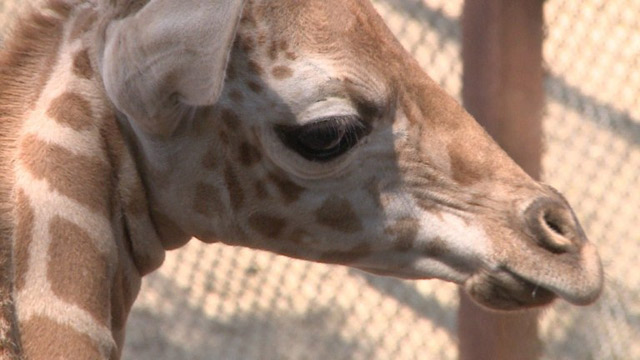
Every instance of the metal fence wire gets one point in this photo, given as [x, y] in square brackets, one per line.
[219, 302]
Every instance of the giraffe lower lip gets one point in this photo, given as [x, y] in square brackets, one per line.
[506, 290]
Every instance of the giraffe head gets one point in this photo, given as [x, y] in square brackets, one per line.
[304, 128]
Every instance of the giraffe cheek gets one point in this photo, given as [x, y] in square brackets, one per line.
[403, 233]
[267, 225]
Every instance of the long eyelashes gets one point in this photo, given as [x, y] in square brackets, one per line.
[325, 139]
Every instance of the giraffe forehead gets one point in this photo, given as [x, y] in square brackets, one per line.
[310, 80]
[302, 63]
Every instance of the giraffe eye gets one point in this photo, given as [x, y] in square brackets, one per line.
[325, 139]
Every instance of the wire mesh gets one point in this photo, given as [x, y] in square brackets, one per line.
[219, 302]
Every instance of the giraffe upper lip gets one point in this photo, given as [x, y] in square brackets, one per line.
[575, 277]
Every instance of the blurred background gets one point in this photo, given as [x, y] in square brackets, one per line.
[219, 302]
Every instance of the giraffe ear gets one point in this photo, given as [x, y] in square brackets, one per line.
[168, 58]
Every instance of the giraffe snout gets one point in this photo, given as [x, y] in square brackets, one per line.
[553, 225]
[552, 259]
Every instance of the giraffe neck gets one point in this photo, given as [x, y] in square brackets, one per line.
[83, 236]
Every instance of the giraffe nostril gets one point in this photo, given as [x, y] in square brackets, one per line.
[553, 223]
[553, 226]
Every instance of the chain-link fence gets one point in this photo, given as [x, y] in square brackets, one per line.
[218, 302]
[592, 130]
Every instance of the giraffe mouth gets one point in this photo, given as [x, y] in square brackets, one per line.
[530, 281]
[504, 289]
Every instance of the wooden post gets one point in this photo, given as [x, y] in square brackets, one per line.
[503, 90]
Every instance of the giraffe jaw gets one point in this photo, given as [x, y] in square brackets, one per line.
[500, 289]
[531, 280]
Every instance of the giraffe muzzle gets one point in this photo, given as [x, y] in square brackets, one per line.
[552, 258]
[559, 243]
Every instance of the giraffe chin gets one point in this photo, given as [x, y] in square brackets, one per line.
[505, 290]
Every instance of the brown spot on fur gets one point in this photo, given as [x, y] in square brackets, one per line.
[72, 110]
[337, 213]
[77, 271]
[247, 44]
[282, 72]
[297, 236]
[248, 19]
[236, 96]
[84, 179]
[204, 122]
[262, 38]
[236, 194]
[210, 159]
[261, 190]
[255, 87]
[224, 136]
[249, 155]
[267, 225]
[289, 190]
[82, 65]
[290, 55]
[283, 45]
[44, 338]
[230, 119]
[435, 248]
[23, 237]
[206, 200]
[404, 231]
[346, 257]
[255, 68]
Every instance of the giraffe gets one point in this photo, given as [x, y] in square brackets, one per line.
[128, 127]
